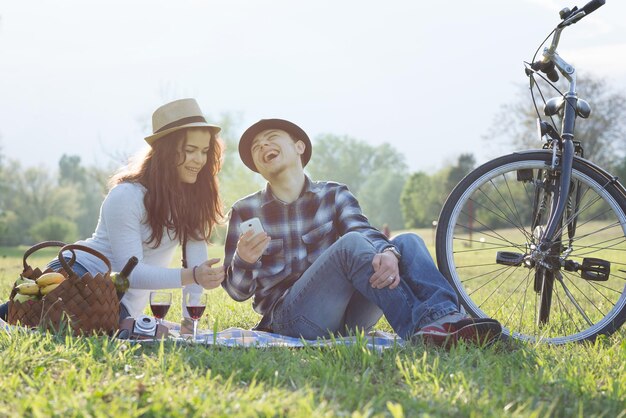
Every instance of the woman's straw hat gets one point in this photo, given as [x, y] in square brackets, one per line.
[177, 115]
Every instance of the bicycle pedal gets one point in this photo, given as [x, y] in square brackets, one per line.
[509, 258]
[595, 269]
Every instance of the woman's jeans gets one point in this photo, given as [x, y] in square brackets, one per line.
[334, 294]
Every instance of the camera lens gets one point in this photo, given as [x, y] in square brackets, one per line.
[145, 325]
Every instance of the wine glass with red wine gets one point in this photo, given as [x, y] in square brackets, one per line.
[160, 303]
[196, 304]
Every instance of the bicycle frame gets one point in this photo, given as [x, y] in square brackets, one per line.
[566, 142]
[549, 245]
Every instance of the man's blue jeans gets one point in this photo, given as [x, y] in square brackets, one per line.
[334, 294]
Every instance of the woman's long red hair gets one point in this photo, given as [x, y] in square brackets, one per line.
[188, 210]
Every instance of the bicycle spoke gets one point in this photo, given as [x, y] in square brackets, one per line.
[496, 289]
[515, 208]
[513, 211]
[476, 265]
[579, 211]
[494, 245]
[489, 281]
[600, 230]
[611, 247]
[504, 215]
[584, 294]
[596, 244]
[489, 229]
[509, 297]
[593, 286]
[598, 216]
[571, 298]
[484, 249]
[567, 312]
[610, 289]
[605, 228]
[486, 273]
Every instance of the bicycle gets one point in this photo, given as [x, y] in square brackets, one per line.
[535, 239]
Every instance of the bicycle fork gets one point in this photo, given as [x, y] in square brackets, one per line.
[548, 250]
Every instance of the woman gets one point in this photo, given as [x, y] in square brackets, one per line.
[167, 197]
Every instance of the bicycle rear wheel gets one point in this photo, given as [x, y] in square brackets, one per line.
[502, 207]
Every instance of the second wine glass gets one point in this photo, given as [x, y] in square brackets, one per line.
[160, 303]
[196, 304]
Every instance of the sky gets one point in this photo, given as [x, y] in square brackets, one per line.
[83, 77]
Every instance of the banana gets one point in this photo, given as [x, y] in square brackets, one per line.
[49, 288]
[49, 278]
[23, 298]
[21, 280]
[28, 289]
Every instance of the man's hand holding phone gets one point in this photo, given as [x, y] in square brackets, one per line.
[252, 241]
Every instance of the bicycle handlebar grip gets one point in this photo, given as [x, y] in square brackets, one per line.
[592, 5]
[547, 68]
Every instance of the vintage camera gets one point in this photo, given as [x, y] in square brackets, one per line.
[142, 328]
[145, 325]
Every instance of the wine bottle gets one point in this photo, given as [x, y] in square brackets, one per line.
[120, 280]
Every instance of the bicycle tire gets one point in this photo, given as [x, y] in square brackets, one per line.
[495, 202]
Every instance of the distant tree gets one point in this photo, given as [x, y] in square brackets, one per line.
[415, 194]
[236, 180]
[351, 161]
[374, 174]
[465, 164]
[54, 228]
[422, 198]
[379, 197]
[33, 196]
[603, 134]
[89, 185]
[3, 179]
[71, 171]
[10, 233]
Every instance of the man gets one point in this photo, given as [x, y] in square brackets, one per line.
[319, 267]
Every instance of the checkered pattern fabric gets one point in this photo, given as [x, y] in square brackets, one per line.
[238, 337]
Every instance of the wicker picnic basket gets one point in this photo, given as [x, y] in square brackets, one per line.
[87, 304]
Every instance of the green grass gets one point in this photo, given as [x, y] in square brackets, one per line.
[59, 375]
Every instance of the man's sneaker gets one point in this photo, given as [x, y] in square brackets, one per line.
[479, 331]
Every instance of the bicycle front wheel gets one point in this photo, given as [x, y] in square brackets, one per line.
[488, 232]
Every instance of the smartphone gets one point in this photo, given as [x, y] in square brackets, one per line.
[254, 224]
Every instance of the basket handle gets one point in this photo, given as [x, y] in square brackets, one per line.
[41, 245]
[72, 248]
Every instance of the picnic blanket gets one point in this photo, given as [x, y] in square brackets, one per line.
[238, 337]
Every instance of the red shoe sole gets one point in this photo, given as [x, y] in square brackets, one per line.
[481, 334]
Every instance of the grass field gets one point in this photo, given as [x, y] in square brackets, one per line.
[59, 375]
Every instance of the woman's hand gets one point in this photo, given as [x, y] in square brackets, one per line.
[206, 275]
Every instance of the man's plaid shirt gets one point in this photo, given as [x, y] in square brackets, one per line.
[300, 232]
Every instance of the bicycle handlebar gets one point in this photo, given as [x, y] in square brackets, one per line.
[592, 5]
[569, 17]
[576, 14]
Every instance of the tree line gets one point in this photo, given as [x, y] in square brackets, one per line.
[36, 207]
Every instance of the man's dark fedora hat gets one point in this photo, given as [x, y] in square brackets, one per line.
[296, 133]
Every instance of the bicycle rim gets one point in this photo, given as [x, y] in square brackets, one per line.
[491, 210]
